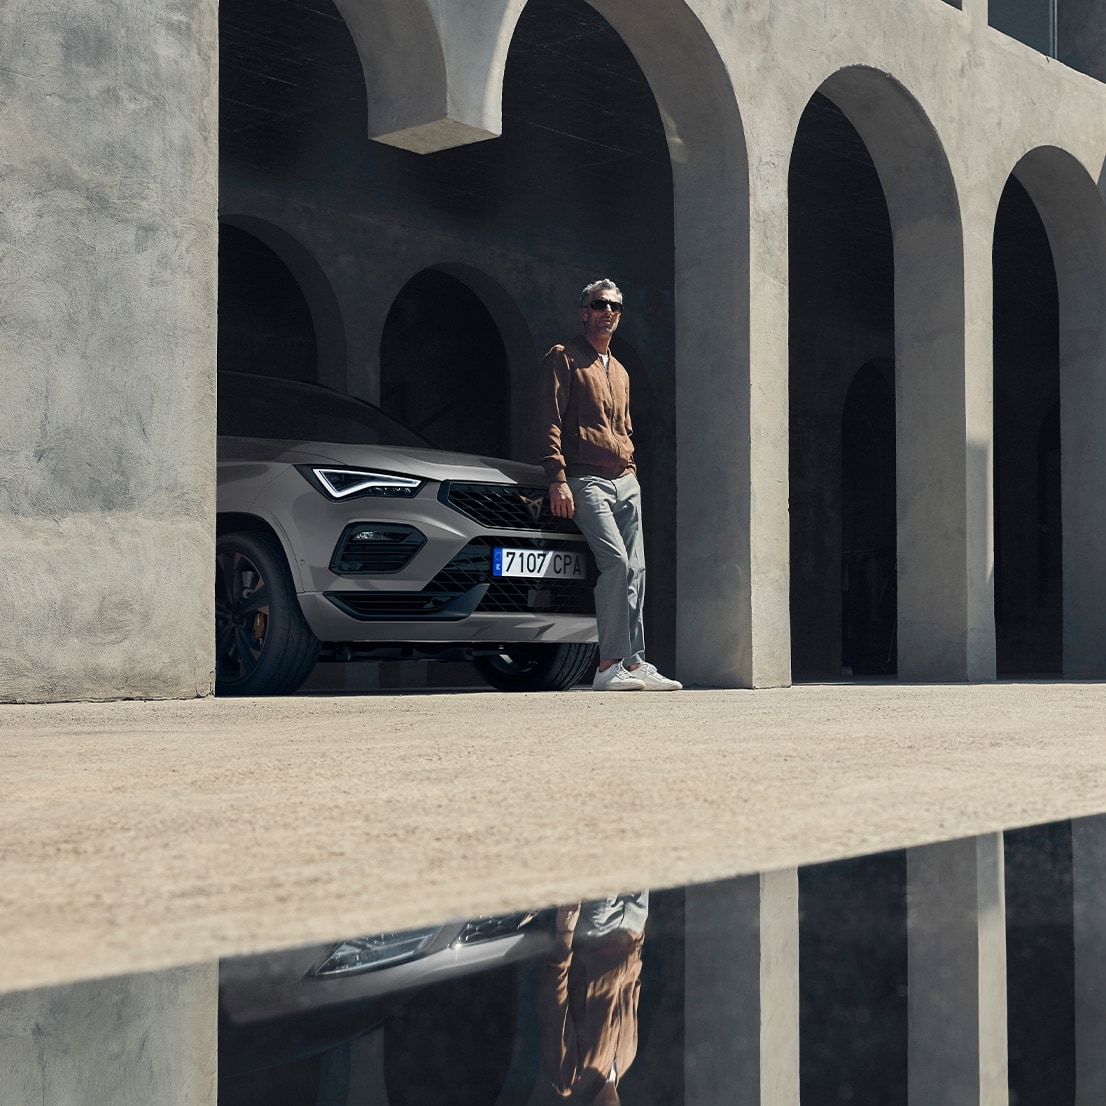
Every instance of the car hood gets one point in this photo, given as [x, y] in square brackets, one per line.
[427, 464]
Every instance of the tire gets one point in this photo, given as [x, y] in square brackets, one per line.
[263, 645]
[538, 667]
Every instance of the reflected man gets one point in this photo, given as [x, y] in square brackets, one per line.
[588, 996]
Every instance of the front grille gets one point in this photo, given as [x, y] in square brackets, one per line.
[505, 507]
[375, 548]
[471, 567]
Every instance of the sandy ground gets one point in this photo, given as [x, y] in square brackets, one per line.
[143, 835]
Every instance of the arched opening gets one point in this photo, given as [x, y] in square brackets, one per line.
[265, 323]
[868, 542]
[1028, 535]
[616, 117]
[842, 420]
[1073, 215]
[877, 271]
[443, 366]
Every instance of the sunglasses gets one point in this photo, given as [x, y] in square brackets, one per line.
[599, 305]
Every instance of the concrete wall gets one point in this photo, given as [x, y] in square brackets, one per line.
[107, 342]
[130, 1040]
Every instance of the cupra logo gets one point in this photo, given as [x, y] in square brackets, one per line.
[533, 506]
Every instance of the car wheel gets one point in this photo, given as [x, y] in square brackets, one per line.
[263, 645]
[538, 667]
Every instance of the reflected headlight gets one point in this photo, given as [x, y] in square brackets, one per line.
[381, 950]
[345, 483]
[492, 927]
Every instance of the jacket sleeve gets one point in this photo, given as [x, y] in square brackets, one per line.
[554, 393]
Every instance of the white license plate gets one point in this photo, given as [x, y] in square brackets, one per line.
[557, 564]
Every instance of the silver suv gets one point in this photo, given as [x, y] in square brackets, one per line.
[344, 535]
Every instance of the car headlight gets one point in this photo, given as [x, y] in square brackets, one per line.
[368, 954]
[345, 483]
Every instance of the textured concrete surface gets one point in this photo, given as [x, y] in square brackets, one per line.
[145, 835]
[108, 198]
[129, 1041]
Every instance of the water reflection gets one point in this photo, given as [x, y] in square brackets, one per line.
[520, 1010]
[699, 994]
[588, 997]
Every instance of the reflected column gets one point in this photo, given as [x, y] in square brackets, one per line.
[956, 932]
[1088, 861]
[741, 993]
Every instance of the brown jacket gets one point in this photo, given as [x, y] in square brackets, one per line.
[583, 414]
[588, 1002]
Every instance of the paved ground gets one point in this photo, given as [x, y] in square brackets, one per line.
[141, 835]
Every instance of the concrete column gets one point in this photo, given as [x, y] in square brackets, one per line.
[109, 196]
[956, 932]
[1088, 857]
[741, 992]
[131, 1040]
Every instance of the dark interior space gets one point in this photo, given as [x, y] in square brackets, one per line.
[1040, 965]
[580, 178]
[579, 122]
[868, 538]
[443, 368]
[265, 323]
[1028, 529]
[853, 982]
[842, 319]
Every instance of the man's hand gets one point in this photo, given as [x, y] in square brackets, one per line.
[560, 500]
[567, 917]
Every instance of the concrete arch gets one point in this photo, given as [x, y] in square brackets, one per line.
[326, 313]
[435, 70]
[732, 627]
[1074, 217]
[436, 75]
[946, 609]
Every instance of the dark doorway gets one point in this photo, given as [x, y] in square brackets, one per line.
[841, 316]
[868, 592]
[265, 323]
[1028, 530]
[443, 368]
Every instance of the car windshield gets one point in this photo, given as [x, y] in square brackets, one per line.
[293, 410]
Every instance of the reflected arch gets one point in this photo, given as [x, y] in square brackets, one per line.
[1074, 218]
[311, 281]
[945, 598]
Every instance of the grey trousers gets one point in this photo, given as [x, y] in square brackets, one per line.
[608, 513]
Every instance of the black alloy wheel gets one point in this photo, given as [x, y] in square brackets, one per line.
[263, 645]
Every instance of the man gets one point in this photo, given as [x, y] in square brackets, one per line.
[584, 416]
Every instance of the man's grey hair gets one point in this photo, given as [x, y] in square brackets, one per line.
[603, 285]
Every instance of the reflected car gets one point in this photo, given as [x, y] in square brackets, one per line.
[281, 1007]
[344, 535]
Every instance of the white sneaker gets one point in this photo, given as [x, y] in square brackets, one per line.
[616, 678]
[653, 680]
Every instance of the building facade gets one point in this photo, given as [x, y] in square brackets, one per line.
[862, 247]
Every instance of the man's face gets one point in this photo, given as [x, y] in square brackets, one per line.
[600, 322]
